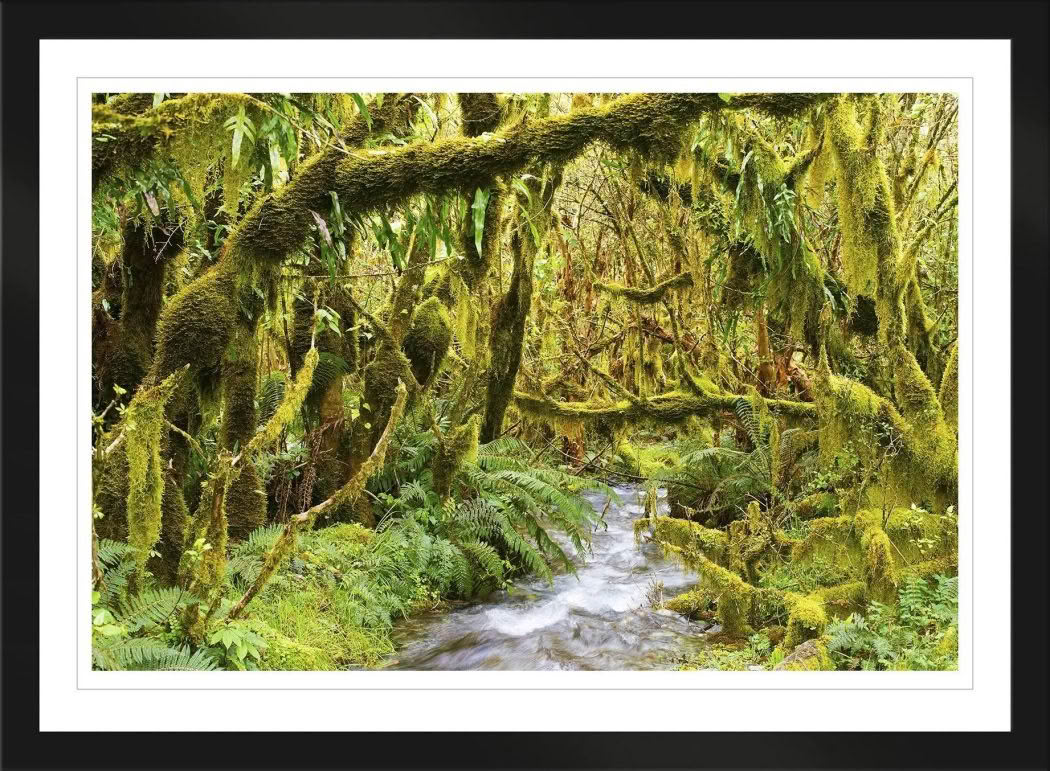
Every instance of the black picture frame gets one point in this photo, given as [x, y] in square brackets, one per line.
[24, 24]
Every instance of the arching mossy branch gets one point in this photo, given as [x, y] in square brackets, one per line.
[650, 124]
[647, 296]
[672, 407]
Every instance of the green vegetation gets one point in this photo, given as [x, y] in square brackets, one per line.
[359, 356]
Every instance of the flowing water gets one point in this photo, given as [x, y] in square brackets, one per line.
[597, 619]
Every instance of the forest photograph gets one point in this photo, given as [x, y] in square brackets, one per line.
[524, 381]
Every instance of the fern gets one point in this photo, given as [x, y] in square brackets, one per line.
[271, 392]
[153, 606]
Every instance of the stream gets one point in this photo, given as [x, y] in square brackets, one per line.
[598, 619]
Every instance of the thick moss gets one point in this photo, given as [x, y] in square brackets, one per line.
[125, 349]
[481, 113]
[880, 568]
[810, 656]
[238, 391]
[648, 123]
[245, 502]
[692, 604]
[738, 602]
[688, 536]
[279, 223]
[949, 393]
[204, 571]
[806, 618]
[197, 323]
[175, 518]
[381, 378]
[428, 339]
[144, 427]
[841, 600]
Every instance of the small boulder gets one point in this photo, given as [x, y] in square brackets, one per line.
[812, 655]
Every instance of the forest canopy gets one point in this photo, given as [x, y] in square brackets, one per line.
[358, 356]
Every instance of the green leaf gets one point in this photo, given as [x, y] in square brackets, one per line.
[481, 201]
[727, 98]
[363, 108]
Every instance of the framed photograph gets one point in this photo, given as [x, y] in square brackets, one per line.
[549, 384]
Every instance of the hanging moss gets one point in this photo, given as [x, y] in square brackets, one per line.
[428, 339]
[381, 378]
[293, 398]
[647, 296]
[143, 427]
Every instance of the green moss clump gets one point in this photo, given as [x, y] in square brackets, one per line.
[687, 536]
[202, 568]
[692, 604]
[285, 654]
[428, 339]
[820, 504]
[806, 619]
[197, 323]
[738, 602]
[810, 656]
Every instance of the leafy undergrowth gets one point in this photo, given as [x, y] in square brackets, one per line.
[917, 632]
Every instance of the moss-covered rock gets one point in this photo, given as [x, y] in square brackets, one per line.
[811, 656]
